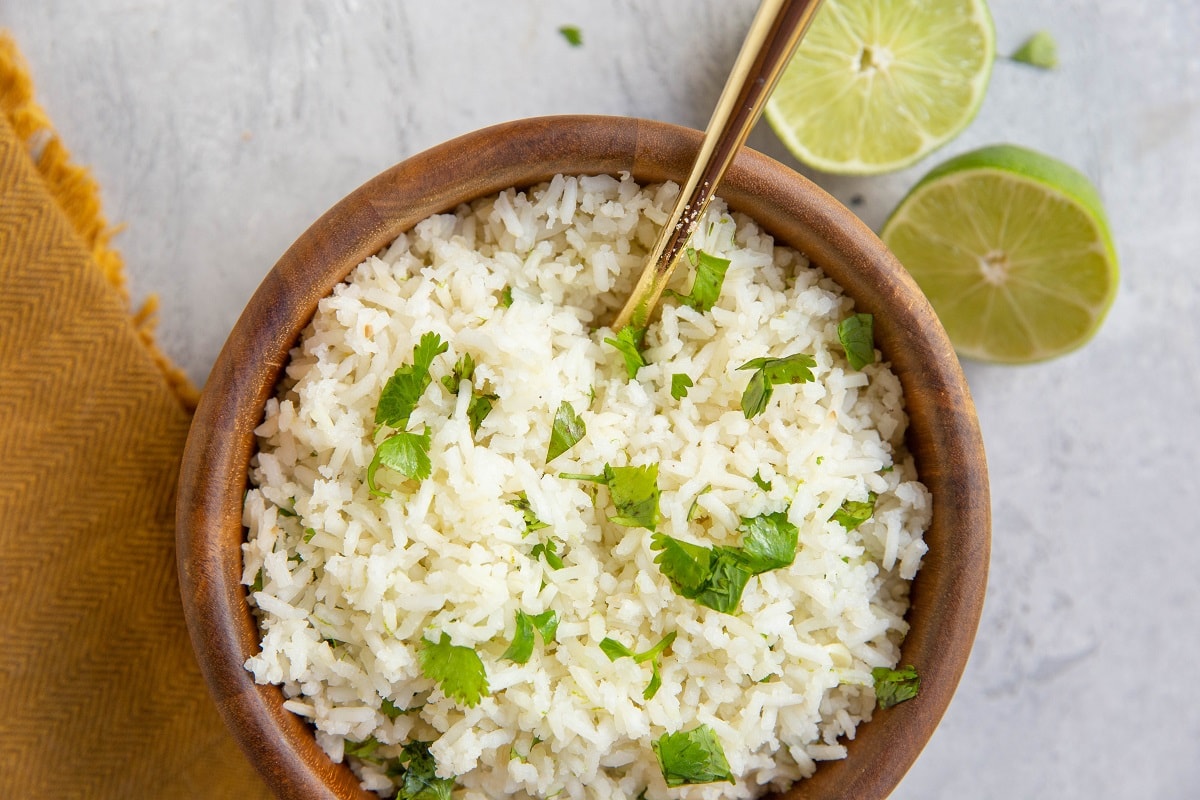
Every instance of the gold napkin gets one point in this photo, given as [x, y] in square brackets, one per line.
[100, 695]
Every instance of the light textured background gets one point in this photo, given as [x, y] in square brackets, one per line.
[220, 128]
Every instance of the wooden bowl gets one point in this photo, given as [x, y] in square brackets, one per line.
[947, 595]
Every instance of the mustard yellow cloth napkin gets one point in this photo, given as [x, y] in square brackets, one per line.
[100, 695]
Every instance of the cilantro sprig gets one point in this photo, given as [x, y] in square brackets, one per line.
[706, 287]
[629, 344]
[403, 390]
[567, 431]
[614, 650]
[689, 757]
[457, 670]
[402, 451]
[634, 492]
[521, 648]
[768, 372]
[893, 686]
[715, 577]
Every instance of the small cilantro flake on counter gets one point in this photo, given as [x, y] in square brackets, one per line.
[690, 757]
[548, 549]
[532, 523]
[614, 650]
[680, 382]
[572, 34]
[857, 335]
[458, 671]
[404, 389]
[893, 686]
[628, 344]
[406, 453]
[796, 368]
[706, 287]
[567, 431]
[855, 512]
[634, 491]
[416, 773]
[521, 648]
[761, 482]
[1039, 50]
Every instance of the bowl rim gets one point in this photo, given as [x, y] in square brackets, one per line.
[947, 596]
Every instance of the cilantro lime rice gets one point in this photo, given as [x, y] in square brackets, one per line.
[498, 549]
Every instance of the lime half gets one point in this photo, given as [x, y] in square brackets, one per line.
[1013, 251]
[878, 84]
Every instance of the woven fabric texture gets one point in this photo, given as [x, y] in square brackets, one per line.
[100, 695]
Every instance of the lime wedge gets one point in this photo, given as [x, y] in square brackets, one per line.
[1013, 251]
[878, 84]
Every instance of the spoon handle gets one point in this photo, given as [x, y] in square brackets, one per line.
[774, 33]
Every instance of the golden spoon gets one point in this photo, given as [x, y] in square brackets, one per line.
[774, 33]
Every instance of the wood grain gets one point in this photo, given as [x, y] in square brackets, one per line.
[944, 434]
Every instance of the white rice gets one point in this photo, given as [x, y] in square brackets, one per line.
[782, 682]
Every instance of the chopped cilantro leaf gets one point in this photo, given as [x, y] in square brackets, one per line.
[854, 513]
[403, 390]
[614, 650]
[309, 533]
[769, 542]
[1039, 50]
[506, 298]
[726, 582]
[689, 757]
[406, 453]
[390, 709]
[566, 432]
[419, 780]
[687, 566]
[679, 385]
[478, 409]
[628, 344]
[284, 511]
[761, 482]
[572, 34]
[457, 670]
[796, 368]
[521, 648]
[857, 335]
[634, 492]
[364, 749]
[549, 549]
[532, 523]
[715, 577]
[894, 686]
[257, 586]
[695, 510]
[706, 288]
[464, 370]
